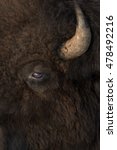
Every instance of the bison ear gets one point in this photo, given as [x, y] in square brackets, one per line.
[79, 43]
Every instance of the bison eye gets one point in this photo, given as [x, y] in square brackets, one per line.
[40, 76]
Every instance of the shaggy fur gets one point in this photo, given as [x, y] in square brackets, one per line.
[65, 116]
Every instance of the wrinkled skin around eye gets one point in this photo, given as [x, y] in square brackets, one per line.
[38, 76]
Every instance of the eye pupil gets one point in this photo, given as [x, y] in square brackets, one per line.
[37, 75]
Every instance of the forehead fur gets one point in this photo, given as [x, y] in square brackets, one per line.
[14, 12]
[56, 15]
[33, 28]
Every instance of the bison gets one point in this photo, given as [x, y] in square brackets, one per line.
[49, 75]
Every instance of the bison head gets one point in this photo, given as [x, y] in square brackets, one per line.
[48, 82]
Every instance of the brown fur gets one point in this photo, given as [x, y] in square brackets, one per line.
[66, 115]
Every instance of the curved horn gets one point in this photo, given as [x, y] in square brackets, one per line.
[79, 43]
